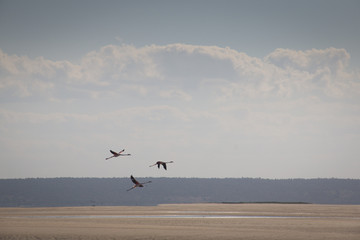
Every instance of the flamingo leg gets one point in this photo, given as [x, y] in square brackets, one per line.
[131, 188]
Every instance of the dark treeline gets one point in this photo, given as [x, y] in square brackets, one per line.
[36, 192]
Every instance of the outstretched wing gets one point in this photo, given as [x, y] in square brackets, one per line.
[122, 151]
[134, 180]
[164, 165]
[113, 152]
[141, 184]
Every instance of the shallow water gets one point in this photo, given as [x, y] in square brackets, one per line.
[176, 216]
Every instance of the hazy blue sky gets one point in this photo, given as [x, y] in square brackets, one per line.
[265, 89]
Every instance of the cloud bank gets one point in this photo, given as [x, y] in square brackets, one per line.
[190, 95]
[176, 69]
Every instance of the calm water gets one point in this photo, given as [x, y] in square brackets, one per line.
[176, 216]
[182, 214]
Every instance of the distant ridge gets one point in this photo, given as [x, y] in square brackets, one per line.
[42, 192]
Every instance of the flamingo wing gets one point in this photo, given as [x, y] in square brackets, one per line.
[113, 152]
[164, 165]
[134, 180]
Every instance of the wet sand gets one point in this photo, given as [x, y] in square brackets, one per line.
[184, 221]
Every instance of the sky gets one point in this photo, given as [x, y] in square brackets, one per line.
[225, 89]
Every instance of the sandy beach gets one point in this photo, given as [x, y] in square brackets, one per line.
[183, 221]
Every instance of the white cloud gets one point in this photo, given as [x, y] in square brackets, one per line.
[187, 77]
[324, 71]
[176, 70]
[14, 117]
[177, 94]
[310, 60]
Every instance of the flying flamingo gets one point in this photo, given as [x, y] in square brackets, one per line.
[115, 154]
[137, 184]
[158, 163]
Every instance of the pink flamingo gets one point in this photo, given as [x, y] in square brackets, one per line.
[158, 163]
[115, 154]
[137, 184]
